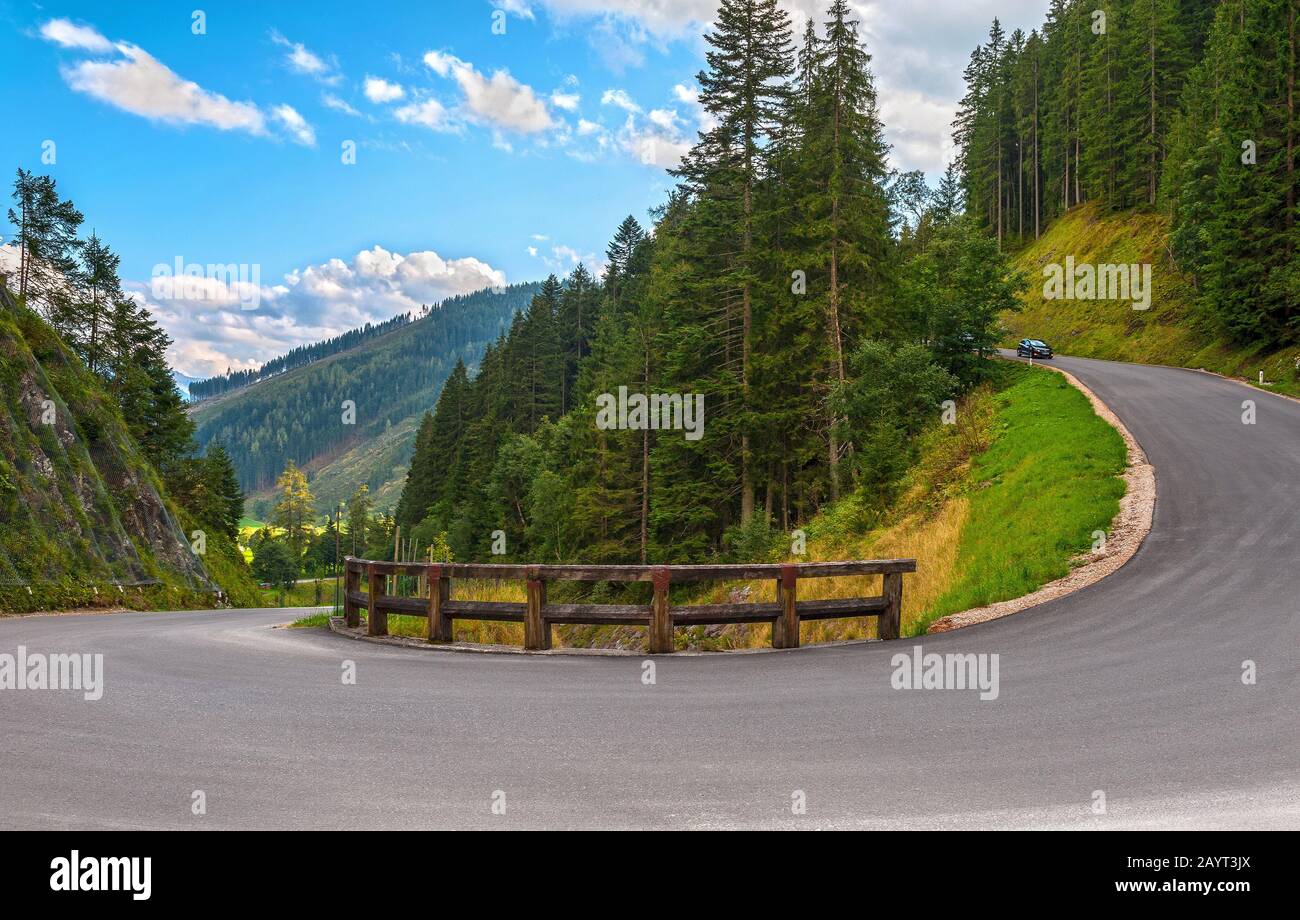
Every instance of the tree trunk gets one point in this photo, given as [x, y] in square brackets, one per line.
[645, 471]
[1290, 127]
[1037, 204]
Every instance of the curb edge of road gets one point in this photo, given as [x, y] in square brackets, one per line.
[1128, 530]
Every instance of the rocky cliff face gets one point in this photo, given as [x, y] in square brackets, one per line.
[79, 504]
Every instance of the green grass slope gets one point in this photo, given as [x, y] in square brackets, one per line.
[1170, 332]
[1050, 478]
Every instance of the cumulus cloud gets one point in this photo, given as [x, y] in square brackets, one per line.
[208, 319]
[379, 90]
[499, 101]
[70, 35]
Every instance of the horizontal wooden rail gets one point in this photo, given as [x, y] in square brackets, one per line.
[538, 616]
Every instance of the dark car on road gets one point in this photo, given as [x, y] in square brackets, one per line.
[1032, 348]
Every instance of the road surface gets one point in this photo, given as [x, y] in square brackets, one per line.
[1132, 688]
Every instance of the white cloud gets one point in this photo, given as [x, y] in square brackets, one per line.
[665, 119]
[586, 127]
[563, 259]
[140, 84]
[430, 113]
[303, 60]
[687, 94]
[500, 100]
[70, 35]
[653, 146]
[212, 332]
[620, 98]
[137, 82]
[567, 101]
[330, 101]
[379, 90]
[297, 126]
[520, 8]
[662, 18]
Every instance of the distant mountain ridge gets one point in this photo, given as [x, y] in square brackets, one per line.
[297, 357]
[350, 416]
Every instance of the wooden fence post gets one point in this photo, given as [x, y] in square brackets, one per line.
[439, 594]
[891, 618]
[351, 583]
[661, 619]
[785, 628]
[376, 620]
[537, 632]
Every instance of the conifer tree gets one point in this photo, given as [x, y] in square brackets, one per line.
[750, 58]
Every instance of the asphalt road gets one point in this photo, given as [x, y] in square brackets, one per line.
[1132, 687]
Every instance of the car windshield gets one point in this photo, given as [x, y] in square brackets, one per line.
[1037, 344]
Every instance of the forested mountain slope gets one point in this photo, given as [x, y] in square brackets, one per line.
[1157, 134]
[297, 357]
[350, 418]
[83, 510]
[1171, 332]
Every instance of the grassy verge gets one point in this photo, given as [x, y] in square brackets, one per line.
[1170, 332]
[1050, 479]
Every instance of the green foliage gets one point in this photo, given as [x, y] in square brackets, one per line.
[892, 395]
[275, 564]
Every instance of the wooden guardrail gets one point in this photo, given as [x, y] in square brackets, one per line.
[538, 615]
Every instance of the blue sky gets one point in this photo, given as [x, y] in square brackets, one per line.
[480, 157]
